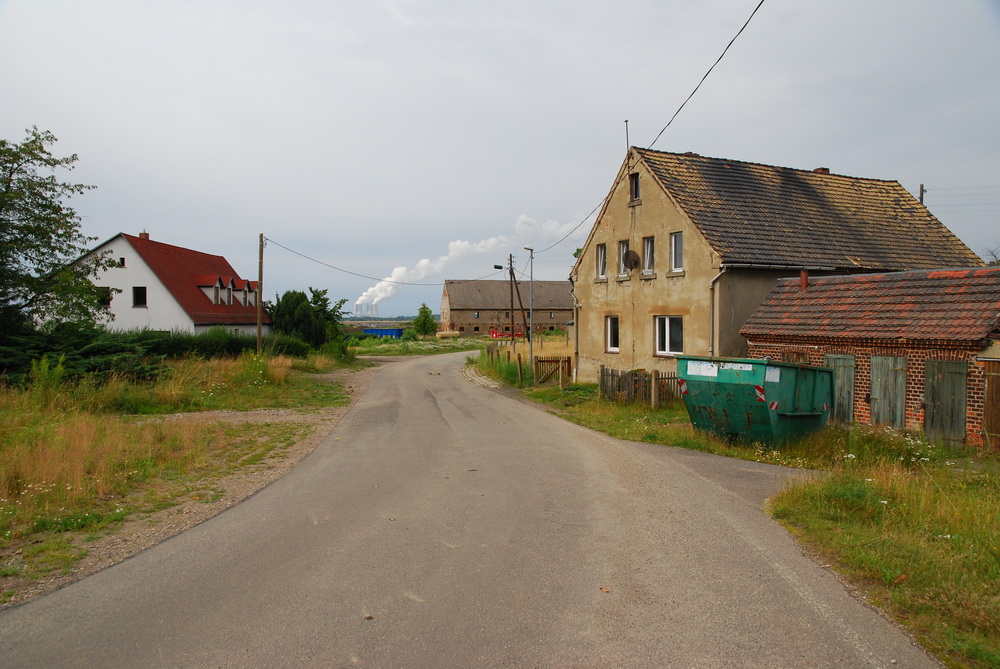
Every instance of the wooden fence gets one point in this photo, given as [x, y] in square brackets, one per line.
[638, 386]
[547, 368]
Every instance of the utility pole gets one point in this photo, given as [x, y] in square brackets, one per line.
[260, 295]
[922, 191]
[531, 310]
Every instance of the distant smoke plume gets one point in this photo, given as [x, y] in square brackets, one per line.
[526, 231]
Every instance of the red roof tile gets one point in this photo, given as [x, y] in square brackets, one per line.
[182, 272]
[927, 305]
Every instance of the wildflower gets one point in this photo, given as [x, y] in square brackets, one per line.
[850, 456]
[884, 501]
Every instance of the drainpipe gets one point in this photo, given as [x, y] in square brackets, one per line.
[576, 330]
[711, 306]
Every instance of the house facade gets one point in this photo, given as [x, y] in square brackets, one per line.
[686, 247]
[485, 307]
[158, 286]
[912, 350]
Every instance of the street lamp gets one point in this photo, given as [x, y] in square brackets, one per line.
[531, 309]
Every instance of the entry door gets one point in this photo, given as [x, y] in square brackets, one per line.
[843, 387]
[944, 401]
[991, 415]
[888, 395]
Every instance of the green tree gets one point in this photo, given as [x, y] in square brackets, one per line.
[42, 271]
[292, 314]
[332, 314]
[424, 323]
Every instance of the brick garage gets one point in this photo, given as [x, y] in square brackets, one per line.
[921, 349]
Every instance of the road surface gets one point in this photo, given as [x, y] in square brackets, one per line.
[444, 524]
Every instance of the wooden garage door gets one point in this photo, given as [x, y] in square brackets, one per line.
[991, 417]
[888, 394]
[944, 400]
[843, 387]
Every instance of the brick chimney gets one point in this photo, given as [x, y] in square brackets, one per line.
[803, 279]
[144, 235]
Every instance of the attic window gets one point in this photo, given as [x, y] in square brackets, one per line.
[138, 296]
[121, 262]
[633, 186]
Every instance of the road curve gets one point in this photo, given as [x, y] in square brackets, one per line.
[443, 524]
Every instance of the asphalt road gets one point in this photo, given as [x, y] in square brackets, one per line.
[443, 524]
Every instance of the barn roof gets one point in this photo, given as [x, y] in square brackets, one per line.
[956, 305]
[494, 295]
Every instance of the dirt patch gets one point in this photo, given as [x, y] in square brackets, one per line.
[141, 531]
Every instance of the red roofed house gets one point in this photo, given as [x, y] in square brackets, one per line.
[166, 287]
[914, 350]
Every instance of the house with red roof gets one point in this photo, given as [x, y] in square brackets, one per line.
[915, 350]
[158, 286]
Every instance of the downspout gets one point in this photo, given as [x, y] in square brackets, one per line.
[711, 307]
[576, 330]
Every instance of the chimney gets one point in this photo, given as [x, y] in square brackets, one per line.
[803, 279]
[822, 170]
[144, 235]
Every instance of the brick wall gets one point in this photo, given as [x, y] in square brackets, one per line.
[916, 358]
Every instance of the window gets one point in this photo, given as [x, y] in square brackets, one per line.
[669, 335]
[215, 294]
[552, 314]
[121, 262]
[138, 296]
[104, 296]
[648, 254]
[506, 314]
[612, 336]
[676, 251]
[622, 250]
[475, 314]
[229, 296]
[602, 261]
[633, 186]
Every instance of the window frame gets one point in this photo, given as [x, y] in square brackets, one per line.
[602, 261]
[648, 254]
[663, 335]
[623, 249]
[634, 192]
[612, 334]
[140, 297]
[677, 251]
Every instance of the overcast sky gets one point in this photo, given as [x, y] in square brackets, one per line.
[440, 135]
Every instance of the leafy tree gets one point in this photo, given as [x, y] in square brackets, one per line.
[293, 314]
[332, 314]
[41, 270]
[424, 323]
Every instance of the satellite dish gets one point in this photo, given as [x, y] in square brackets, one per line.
[631, 259]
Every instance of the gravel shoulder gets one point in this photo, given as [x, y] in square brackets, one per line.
[144, 530]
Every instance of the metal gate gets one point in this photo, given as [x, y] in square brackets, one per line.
[843, 387]
[888, 392]
[991, 415]
[944, 400]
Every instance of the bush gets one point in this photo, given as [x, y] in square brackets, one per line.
[410, 335]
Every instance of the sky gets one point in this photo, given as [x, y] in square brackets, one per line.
[427, 140]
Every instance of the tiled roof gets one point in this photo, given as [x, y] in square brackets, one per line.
[957, 305]
[760, 214]
[182, 271]
[485, 295]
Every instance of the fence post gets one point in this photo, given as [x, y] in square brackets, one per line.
[562, 384]
[654, 389]
[600, 384]
[520, 370]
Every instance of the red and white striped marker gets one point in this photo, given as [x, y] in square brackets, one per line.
[684, 386]
[760, 393]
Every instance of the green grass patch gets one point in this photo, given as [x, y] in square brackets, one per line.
[387, 346]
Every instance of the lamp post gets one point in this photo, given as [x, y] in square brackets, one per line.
[531, 309]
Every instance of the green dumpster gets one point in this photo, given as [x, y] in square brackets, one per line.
[755, 400]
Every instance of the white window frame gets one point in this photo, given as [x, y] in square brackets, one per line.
[633, 187]
[648, 254]
[662, 331]
[602, 261]
[676, 251]
[622, 250]
[612, 324]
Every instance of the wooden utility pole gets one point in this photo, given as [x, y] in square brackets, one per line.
[260, 296]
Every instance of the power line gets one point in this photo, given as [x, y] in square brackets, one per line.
[683, 104]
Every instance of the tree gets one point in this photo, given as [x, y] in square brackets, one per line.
[332, 314]
[292, 314]
[42, 271]
[424, 323]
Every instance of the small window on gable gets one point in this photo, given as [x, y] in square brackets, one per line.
[612, 336]
[138, 296]
[121, 262]
[648, 253]
[676, 251]
[602, 261]
[622, 252]
[104, 296]
[633, 186]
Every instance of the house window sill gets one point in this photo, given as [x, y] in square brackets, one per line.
[673, 273]
[623, 277]
[601, 279]
[635, 203]
[647, 274]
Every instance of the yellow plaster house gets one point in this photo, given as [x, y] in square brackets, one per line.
[686, 247]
